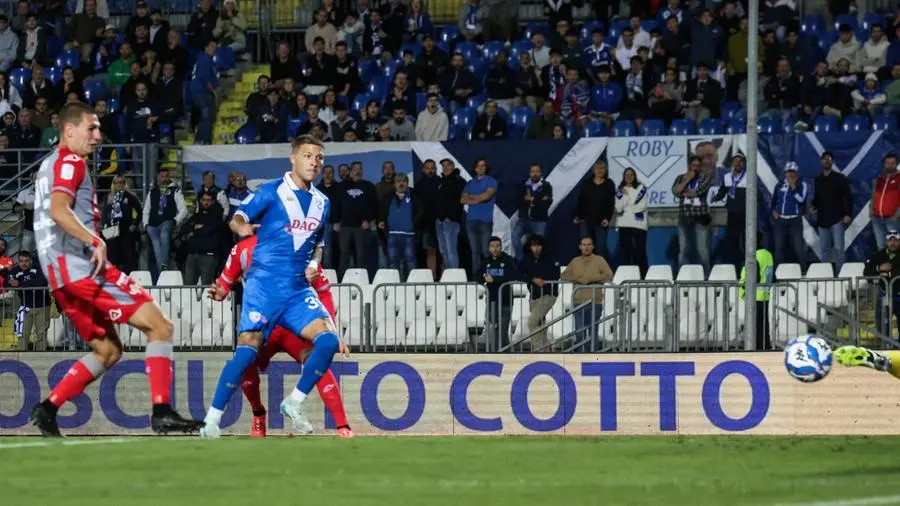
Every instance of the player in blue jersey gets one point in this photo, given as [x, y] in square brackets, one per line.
[287, 216]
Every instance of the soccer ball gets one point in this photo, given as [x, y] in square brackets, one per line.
[808, 358]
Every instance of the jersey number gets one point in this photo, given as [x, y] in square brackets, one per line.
[128, 285]
[312, 302]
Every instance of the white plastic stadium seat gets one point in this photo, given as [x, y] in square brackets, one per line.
[356, 276]
[56, 333]
[423, 331]
[386, 276]
[659, 273]
[831, 293]
[420, 276]
[820, 270]
[626, 273]
[332, 276]
[691, 272]
[788, 271]
[723, 272]
[454, 276]
[390, 332]
[142, 277]
[168, 278]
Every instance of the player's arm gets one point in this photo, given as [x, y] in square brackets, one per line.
[66, 179]
[229, 276]
[250, 211]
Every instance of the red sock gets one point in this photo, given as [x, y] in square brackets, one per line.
[159, 373]
[72, 384]
[250, 387]
[330, 392]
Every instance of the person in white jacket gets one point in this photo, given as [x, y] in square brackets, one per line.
[432, 123]
[631, 220]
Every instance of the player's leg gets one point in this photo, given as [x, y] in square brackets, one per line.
[250, 382]
[885, 361]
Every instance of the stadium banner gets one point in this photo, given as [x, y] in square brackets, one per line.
[418, 394]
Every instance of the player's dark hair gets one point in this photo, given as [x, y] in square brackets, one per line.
[494, 238]
[304, 140]
[73, 114]
[161, 170]
[25, 253]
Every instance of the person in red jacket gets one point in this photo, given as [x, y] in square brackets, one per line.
[280, 340]
[886, 200]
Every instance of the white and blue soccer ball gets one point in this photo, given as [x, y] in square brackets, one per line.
[808, 358]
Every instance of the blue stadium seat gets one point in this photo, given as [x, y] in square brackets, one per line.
[768, 125]
[826, 124]
[874, 18]
[449, 33]
[624, 128]
[70, 58]
[464, 117]
[584, 35]
[378, 87]
[19, 77]
[519, 46]
[54, 74]
[653, 127]
[682, 127]
[848, 19]
[367, 69]
[411, 46]
[421, 101]
[861, 34]
[885, 122]
[711, 126]
[856, 123]
[596, 128]
[469, 50]
[476, 101]
[520, 120]
[736, 125]
[813, 24]
[616, 29]
[479, 66]
[55, 45]
[165, 131]
[730, 109]
[490, 49]
[114, 105]
[572, 130]
[224, 58]
[649, 24]
[537, 26]
[94, 91]
[120, 38]
[389, 69]
[460, 133]
[293, 124]
[245, 135]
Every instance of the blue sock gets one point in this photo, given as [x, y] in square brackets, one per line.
[231, 375]
[325, 346]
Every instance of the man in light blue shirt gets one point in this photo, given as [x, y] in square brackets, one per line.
[480, 195]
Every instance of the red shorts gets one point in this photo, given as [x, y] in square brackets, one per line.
[281, 339]
[94, 307]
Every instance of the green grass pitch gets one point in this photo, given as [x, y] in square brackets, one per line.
[471, 471]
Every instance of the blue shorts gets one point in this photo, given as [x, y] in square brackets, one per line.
[267, 305]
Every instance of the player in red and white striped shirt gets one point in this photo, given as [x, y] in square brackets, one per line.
[280, 340]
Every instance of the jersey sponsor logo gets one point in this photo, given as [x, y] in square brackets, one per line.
[67, 171]
[303, 227]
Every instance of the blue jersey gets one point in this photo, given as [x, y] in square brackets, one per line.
[290, 228]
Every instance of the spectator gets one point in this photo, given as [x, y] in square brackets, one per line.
[575, 100]
[375, 39]
[371, 121]
[27, 135]
[170, 93]
[553, 77]
[9, 93]
[540, 54]
[631, 220]
[119, 70]
[459, 83]
[284, 66]
[886, 200]
[40, 115]
[394, 14]
[37, 88]
[845, 48]
[346, 80]
[21, 18]
[534, 209]
[449, 213]
[141, 18]
[6, 264]
[32, 47]
[140, 43]
[204, 83]
[342, 123]
[495, 269]
[893, 51]
[313, 120]
[480, 195]
[121, 220]
[210, 187]
[298, 101]
[357, 212]
[596, 204]
[634, 105]
[870, 99]
[489, 126]
[164, 210]
[50, 134]
[322, 28]
[258, 99]
[675, 42]
[88, 25]
[270, 120]
[472, 18]
[128, 93]
[606, 96]
[527, 83]
[204, 230]
[334, 191]
[892, 91]
[351, 33]
[765, 266]
[231, 27]
[587, 269]
[706, 41]
[335, 16]
[640, 36]
[673, 10]
[109, 128]
[556, 11]
[432, 123]
[885, 263]
[788, 207]
[34, 298]
[833, 204]
[151, 67]
[432, 61]
[106, 50]
[202, 24]
[418, 22]
[141, 116]
[737, 58]
[691, 190]
[537, 270]
[501, 82]
[598, 55]
[626, 50]
[814, 90]
[734, 192]
[793, 50]
[176, 53]
[236, 191]
[397, 220]
[159, 31]
[401, 128]
[320, 69]
[25, 204]
[703, 96]
[782, 92]
[401, 95]
[543, 124]
[426, 195]
[572, 51]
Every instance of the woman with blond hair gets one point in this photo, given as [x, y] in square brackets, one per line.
[121, 225]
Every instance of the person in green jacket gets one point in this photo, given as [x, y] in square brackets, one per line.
[765, 264]
[50, 135]
[120, 70]
[892, 92]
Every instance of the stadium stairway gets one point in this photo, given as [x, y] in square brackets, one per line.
[231, 114]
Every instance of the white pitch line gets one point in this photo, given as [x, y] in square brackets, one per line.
[83, 442]
[864, 501]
